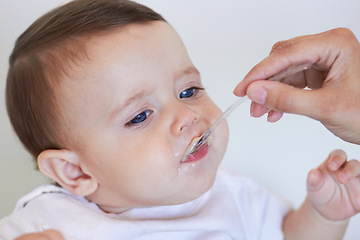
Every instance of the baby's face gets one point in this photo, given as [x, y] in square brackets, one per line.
[134, 106]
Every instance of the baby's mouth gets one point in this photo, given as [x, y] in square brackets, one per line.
[191, 151]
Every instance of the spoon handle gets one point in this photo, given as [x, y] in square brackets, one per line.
[277, 77]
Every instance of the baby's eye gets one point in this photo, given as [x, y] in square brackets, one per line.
[190, 92]
[141, 117]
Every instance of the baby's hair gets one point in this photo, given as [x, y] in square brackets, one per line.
[44, 53]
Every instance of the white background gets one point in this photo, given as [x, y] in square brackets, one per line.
[224, 39]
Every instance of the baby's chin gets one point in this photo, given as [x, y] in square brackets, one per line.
[207, 177]
[200, 190]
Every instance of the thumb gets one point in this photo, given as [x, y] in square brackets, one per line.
[285, 98]
[314, 180]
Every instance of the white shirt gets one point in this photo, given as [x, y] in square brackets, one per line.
[234, 208]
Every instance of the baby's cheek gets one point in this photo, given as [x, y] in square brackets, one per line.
[217, 111]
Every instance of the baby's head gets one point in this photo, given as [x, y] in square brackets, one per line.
[104, 94]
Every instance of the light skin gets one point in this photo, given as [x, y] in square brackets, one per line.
[46, 235]
[134, 106]
[334, 100]
[334, 78]
[332, 198]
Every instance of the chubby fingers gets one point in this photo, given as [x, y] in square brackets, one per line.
[333, 164]
[336, 160]
[347, 170]
[351, 170]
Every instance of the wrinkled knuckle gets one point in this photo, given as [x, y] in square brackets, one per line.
[285, 104]
[281, 46]
[259, 69]
[339, 35]
[256, 68]
[341, 32]
[327, 111]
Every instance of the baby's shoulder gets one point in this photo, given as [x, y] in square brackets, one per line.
[47, 195]
[48, 202]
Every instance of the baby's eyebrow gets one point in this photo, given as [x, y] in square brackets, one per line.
[134, 97]
[188, 71]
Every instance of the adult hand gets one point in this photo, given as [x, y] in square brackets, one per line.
[334, 79]
[46, 235]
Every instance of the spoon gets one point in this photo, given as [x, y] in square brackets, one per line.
[196, 145]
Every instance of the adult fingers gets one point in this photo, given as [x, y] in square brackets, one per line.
[320, 49]
[284, 98]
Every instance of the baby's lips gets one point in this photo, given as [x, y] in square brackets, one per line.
[191, 146]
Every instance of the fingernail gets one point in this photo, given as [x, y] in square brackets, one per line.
[269, 116]
[236, 89]
[257, 94]
[333, 166]
[251, 110]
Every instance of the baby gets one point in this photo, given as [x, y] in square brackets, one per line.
[104, 94]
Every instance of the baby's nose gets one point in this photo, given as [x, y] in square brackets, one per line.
[185, 117]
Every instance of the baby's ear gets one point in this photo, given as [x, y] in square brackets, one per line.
[63, 167]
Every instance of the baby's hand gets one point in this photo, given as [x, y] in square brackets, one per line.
[334, 187]
[47, 235]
